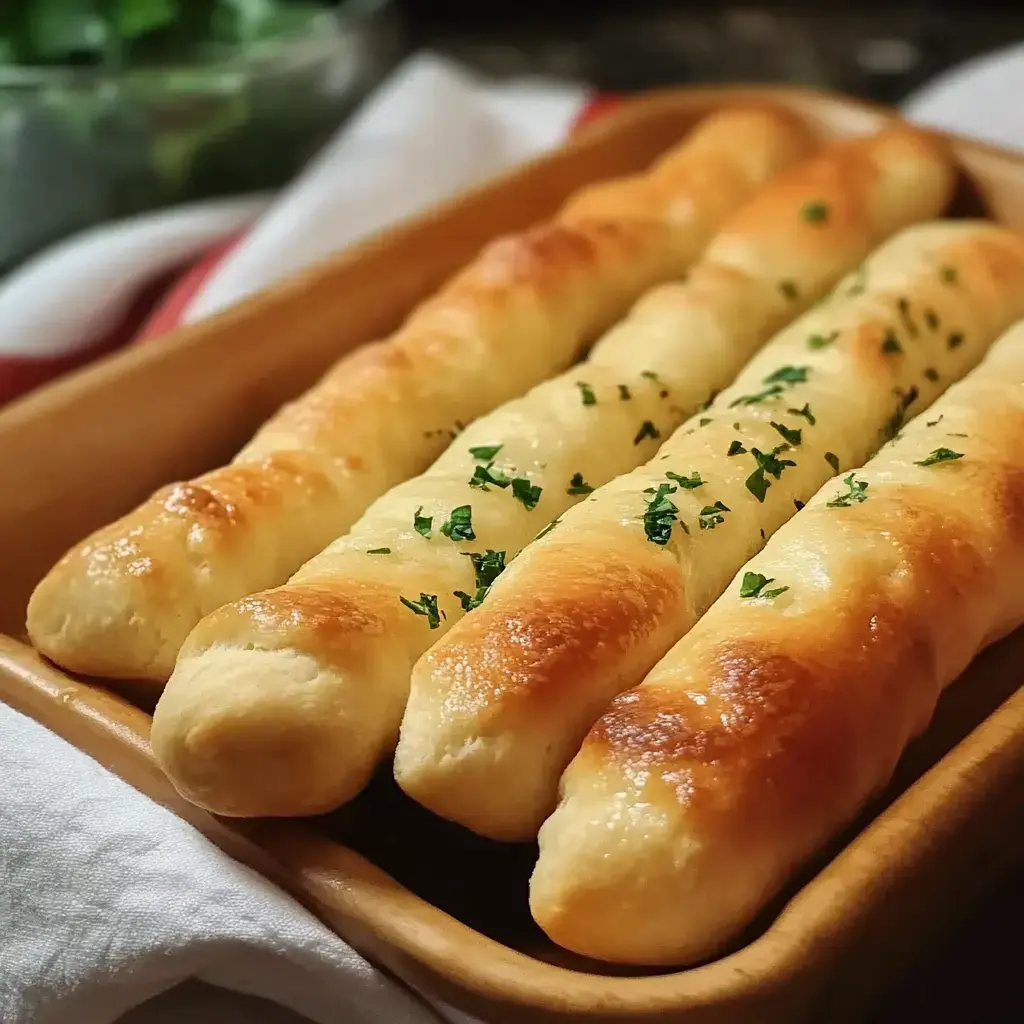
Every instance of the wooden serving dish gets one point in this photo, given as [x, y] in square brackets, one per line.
[442, 909]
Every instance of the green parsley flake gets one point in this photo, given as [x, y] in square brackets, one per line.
[753, 585]
[688, 483]
[758, 483]
[379, 551]
[586, 393]
[833, 460]
[647, 429]
[526, 493]
[487, 567]
[736, 448]
[891, 344]
[931, 319]
[814, 212]
[578, 485]
[711, 515]
[794, 437]
[660, 514]
[624, 393]
[906, 400]
[854, 493]
[935, 422]
[485, 452]
[805, 412]
[816, 341]
[459, 524]
[788, 375]
[426, 605]
[485, 475]
[422, 524]
[704, 421]
[931, 374]
[940, 455]
[798, 504]
[789, 290]
[955, 340]
[948, 274]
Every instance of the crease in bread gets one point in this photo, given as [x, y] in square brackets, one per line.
[499, 706]
[120, 603]
[307, 683]
[766, 730]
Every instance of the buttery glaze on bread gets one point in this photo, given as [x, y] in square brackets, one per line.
[283, 703]
[500, 705]
[121, 603]
[766, 730]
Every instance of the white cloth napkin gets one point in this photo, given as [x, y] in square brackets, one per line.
[106, 899]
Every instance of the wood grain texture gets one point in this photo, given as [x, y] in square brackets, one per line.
[422, 899]
[759, 735]
[587, 610]
[285, 702]
[121, 603]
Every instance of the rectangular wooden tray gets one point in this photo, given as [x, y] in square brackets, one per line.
[441, 909]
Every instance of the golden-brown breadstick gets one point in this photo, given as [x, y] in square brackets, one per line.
[763, 732]
[284, 702]
[120, 603]
[501, 704]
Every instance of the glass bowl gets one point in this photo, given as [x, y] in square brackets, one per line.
[79, 146]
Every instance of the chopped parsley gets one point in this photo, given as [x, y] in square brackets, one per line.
[707, 402]
[816, 341]
[904, 307]
[935, 422]
[948, 274]
[379, 551]
[833, 460]
[426, 605]
[955, 340]
[711, 515]
[805, 412]
[798, 504]
[703, 421]
[459, 524]
[624, 393]
[650, 375]
[906, 400]
[736, 448]
[814, 212]
[931, 374]
[423, 525]
[660, 514]
[526, 493]
[891, 344]
[586, 393]
[931, 319]
[485, 475]
[688, 483]
[577, 485]
[647, 429]
[788, 375]
[485, 452]
[487, 567]
[788, 290]
[773, 391]
[753, 585]
[940, 455]
[758, 483]
[793, 436]
[854, 493]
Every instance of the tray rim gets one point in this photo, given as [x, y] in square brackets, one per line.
[807, 932]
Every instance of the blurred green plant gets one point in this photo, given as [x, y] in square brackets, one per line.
[119, 33]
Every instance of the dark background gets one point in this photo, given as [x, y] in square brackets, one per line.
[881, 51]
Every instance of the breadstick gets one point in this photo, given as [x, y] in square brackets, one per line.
[263, 676]
[762, 733]
[121, 603]
[501, 704]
